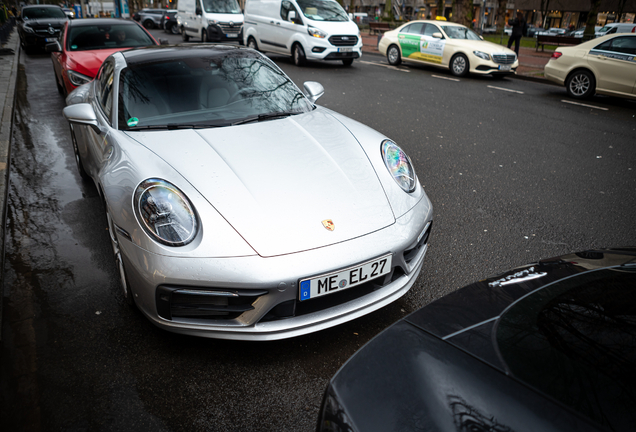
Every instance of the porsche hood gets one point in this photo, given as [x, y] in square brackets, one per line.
[282, 184]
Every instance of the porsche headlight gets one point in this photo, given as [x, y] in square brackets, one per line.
[313, 31]
[77, 78]
[165, 213]
[399, 165]
[482, 55]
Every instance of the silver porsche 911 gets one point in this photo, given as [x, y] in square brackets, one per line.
[237, 208]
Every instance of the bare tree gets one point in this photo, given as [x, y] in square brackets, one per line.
[500, 16]
[591, 20]
[545, 4]
[441, 4]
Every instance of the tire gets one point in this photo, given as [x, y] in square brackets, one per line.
[459, 65]
[298, 55]
[149, 24]
[119, 262]
[581, 84]
[347, 62]
[60, 88]
[78, 159]
[174, 29]
[251, 43]
[393, 55]
[204, 36]
[184, 36]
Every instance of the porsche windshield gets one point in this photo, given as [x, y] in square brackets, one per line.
[197, 91]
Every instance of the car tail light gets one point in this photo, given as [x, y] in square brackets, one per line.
[556, 55]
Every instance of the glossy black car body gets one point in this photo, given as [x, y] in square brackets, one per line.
[40, 24]
[546, 347]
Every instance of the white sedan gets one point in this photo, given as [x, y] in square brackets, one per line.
[447, 45]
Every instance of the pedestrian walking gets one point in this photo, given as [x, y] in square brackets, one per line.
[519, 29]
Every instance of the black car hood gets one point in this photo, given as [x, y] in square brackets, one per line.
[45, 22]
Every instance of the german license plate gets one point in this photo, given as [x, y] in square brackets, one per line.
[345, 49]
[504, 68]
[50, 40]
[344, 279]
[231, 35]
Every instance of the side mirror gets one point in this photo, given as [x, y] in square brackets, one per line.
[53, 47]
[82, 114]
[481, 37]
[198, 11]
[437, 35]
[291, 16]
[164, 42]
[313, 90]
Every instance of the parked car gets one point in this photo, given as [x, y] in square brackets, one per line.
[532, 29]
[616, 28]
[447, 45]
[169, 22]
[604, 65]
[210, 20]
[39, 25]
[554, 31]
[237, 208]
[86, 43]
[303, 29]
[149, 18]
[579, 32]
[550, 346]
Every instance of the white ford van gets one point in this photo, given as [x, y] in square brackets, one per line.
[210, 20]
[616, 28]
[304, 29]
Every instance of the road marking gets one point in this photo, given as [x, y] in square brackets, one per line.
[383, 65]
[446, 78]
[505, 89]
[584, 105]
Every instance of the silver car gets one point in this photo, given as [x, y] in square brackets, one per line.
[237, 208]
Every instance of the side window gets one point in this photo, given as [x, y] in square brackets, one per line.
[430, 29]
[287, 7]
[625, 45]
[605, 46]
[415, 28]
[105, 88]
[407, 29]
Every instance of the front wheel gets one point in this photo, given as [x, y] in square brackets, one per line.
[149, 24]
[78, 159]
[347, 62]
[174, 29]
[184, 36]
[459, 65]
[119, 262]
[298, 55]
[393, 55]
[581, 84]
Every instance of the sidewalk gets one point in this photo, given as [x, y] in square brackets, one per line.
[9, 54]
[531, 63]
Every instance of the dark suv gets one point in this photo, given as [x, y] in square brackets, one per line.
[39, 25]
[149, 18]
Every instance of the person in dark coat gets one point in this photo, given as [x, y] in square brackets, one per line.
[519, 27]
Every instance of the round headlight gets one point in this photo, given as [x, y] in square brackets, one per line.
[399, 165]
[165, 213]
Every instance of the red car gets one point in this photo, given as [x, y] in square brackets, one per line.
[84, 44]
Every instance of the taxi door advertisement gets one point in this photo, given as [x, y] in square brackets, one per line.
[425, 48]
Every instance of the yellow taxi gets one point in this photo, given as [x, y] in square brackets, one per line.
[605, 65]
[447, 45]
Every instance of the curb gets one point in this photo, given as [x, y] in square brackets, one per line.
[8, 77]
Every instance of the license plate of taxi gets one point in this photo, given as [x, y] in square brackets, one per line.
[344, 279]
[232, 35]
[504, 68]
[345, 49]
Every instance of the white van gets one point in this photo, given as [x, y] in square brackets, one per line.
[304, 29]
[616, 28]
[210, 20]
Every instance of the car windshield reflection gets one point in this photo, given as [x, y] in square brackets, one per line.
[205, 91]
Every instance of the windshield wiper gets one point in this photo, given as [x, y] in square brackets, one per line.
[269, 116]
[174, 127]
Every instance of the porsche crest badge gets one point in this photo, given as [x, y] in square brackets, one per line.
[328, 224]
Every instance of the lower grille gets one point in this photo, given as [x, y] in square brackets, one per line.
[204, 303]
[227, 28]
[410, 254]
[504, 58]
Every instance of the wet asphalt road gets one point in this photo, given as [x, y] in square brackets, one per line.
[513, 177]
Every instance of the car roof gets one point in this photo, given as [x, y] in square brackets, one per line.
[41, 6]
[436, 22]
[100, 21]
[181, 52]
